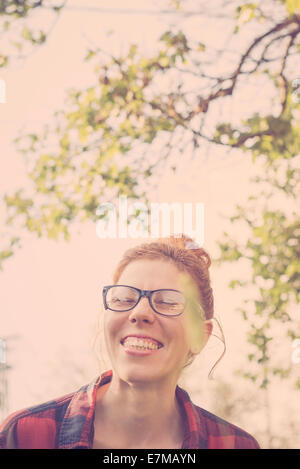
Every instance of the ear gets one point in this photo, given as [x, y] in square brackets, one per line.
[208, 328]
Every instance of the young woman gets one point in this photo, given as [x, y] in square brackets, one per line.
[158, 315]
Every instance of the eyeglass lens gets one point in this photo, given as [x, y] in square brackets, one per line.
[120, 298]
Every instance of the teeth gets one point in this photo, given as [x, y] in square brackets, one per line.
[140, 343]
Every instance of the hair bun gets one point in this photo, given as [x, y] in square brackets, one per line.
[185, 242]
[192, 245]
[198, 251]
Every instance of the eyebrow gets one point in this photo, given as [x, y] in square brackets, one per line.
[153, 289]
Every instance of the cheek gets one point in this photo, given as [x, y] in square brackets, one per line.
[182, 336]
[108, 332]
[112, 328]
[194, 329]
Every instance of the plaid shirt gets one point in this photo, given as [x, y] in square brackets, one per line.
[68, 423]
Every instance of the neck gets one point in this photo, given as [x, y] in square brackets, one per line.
[142, 413]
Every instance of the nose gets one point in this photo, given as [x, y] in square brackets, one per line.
[142, 311]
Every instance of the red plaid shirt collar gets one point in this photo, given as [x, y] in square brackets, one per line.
[68, 423]
[77, 429]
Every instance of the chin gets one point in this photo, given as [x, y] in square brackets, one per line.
[140, 374]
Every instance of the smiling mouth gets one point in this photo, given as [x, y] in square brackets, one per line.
[135, 343]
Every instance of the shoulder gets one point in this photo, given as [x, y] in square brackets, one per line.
[34, 427]
[223, 434]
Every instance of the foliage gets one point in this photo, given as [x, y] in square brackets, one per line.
[105, 136]
[15, 26]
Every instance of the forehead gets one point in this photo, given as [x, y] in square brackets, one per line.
[151, 274]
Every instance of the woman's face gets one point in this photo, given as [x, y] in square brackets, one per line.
[174, 333]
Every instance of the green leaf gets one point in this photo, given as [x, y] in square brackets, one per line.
[293, 6]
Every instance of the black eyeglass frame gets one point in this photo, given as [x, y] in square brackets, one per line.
[147, 293]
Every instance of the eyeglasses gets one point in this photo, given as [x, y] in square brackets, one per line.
[167, 302]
